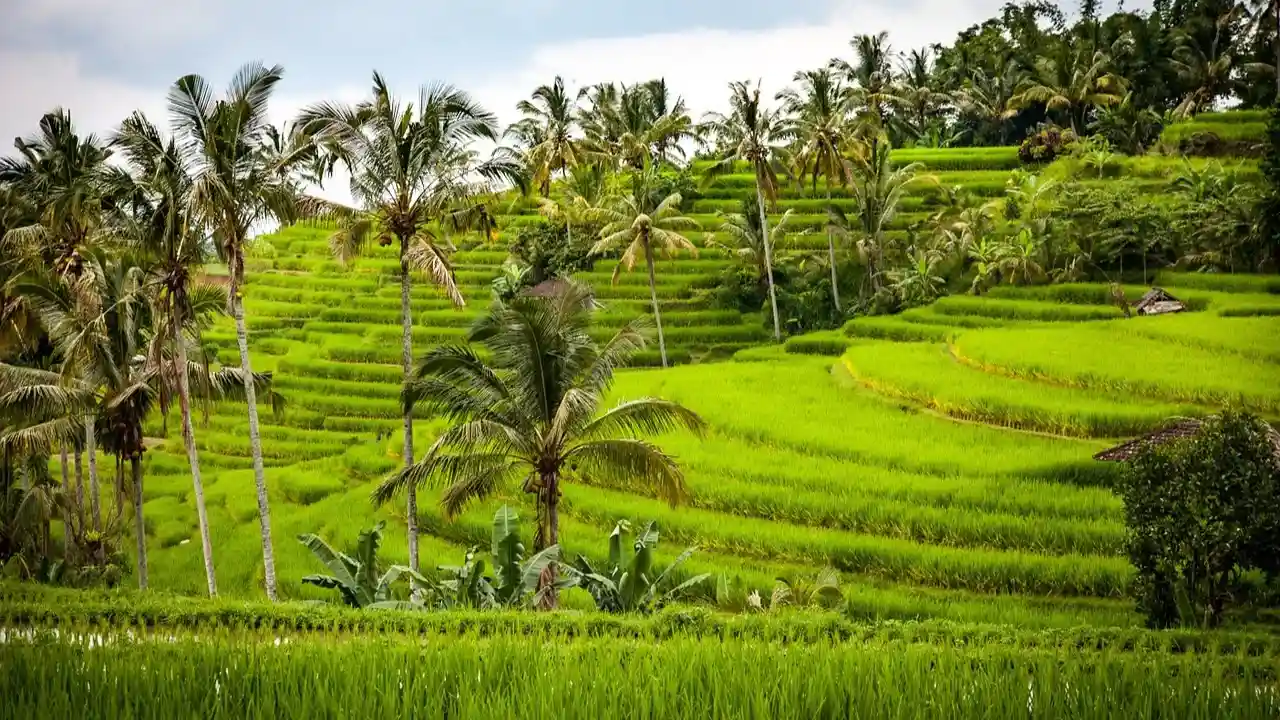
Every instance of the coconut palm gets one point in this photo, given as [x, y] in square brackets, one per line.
[63, 177]
[1073, 85]
[919, 102]
[160, 227]
[1210, 70]
[744, 237]
[640, 223]
[410, 168]
[869, 80]
[547, 133]
[748, 134]
[531, 414]
[822, 132]
[989, 99]
[878, 189]
[630, 125]
[237, 184]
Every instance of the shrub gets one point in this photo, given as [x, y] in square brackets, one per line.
[1045, 146]
[550, 252]
[1200, 511]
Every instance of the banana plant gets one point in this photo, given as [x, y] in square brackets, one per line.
[629, 587]
[514, 580]
[356, 578]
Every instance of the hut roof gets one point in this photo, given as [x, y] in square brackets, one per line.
[1182, 428]
[555, 287]
[1158, 302]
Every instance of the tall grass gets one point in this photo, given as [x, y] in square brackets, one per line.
[512, 676]
[928, 375]
[1109, 358]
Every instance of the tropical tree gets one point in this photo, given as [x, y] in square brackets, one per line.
[744, 237]
[641, 223]
[989, 98]
[878, 189]
[631, 125]
[822, 134]
[546, 132]
[869, 79]
[748, 134]
[237, 183]
[530, 413]
[1210, 67]
[919, 101]
[1072, 85]
[410, 168]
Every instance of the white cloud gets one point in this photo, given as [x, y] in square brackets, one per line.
[699, 63]
[121, 23]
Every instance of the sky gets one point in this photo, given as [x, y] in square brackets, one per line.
[103, 59]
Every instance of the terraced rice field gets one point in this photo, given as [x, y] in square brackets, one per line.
[939, 459]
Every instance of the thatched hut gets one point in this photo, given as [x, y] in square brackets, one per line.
[1180, 428]
[1158, 302]
[555, 287]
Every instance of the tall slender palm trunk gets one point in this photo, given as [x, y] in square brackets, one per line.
[831, 253]
[67, 534]
[406, 363]
[768, 263]
[140, 528]
[255, 443]
[95, 494]
[79, 485]
[653, 296]
[193, 459]
[550, 535]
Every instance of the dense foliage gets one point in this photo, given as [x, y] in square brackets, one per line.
[1201, 513]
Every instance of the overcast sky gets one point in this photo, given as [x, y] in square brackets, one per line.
[105, 58]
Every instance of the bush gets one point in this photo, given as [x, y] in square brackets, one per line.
[550, 252]
[1200, 512]
[1045, 146]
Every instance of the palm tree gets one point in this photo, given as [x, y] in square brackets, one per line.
[410, 167]
[642, 223]
[237, 183]
[533, 410]
[629, 125]
[63, 175]
[990, 98]
[747, 239]
[748, 133]
[919, 100]
[1264, 20]
[878, 189]
[162, 229]
[869, 80]
[822, 132]
[1073, 86]
[547, 133]
[1210, 71]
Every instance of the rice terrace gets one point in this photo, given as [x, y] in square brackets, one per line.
[936, 384]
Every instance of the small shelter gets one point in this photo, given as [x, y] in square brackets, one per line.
[1178, 429]
[1159, 302]
[555, 287]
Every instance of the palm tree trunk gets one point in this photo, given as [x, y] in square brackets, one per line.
[551, 487]
[193, 459]
[140, 528]
[653, 295]
[255, 443]
[79, 485]
[831, 250]
[406, 363]
[66, 497]
[768, 263]
[91, 449]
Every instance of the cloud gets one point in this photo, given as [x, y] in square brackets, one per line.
[698, 63]
[121, 24]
